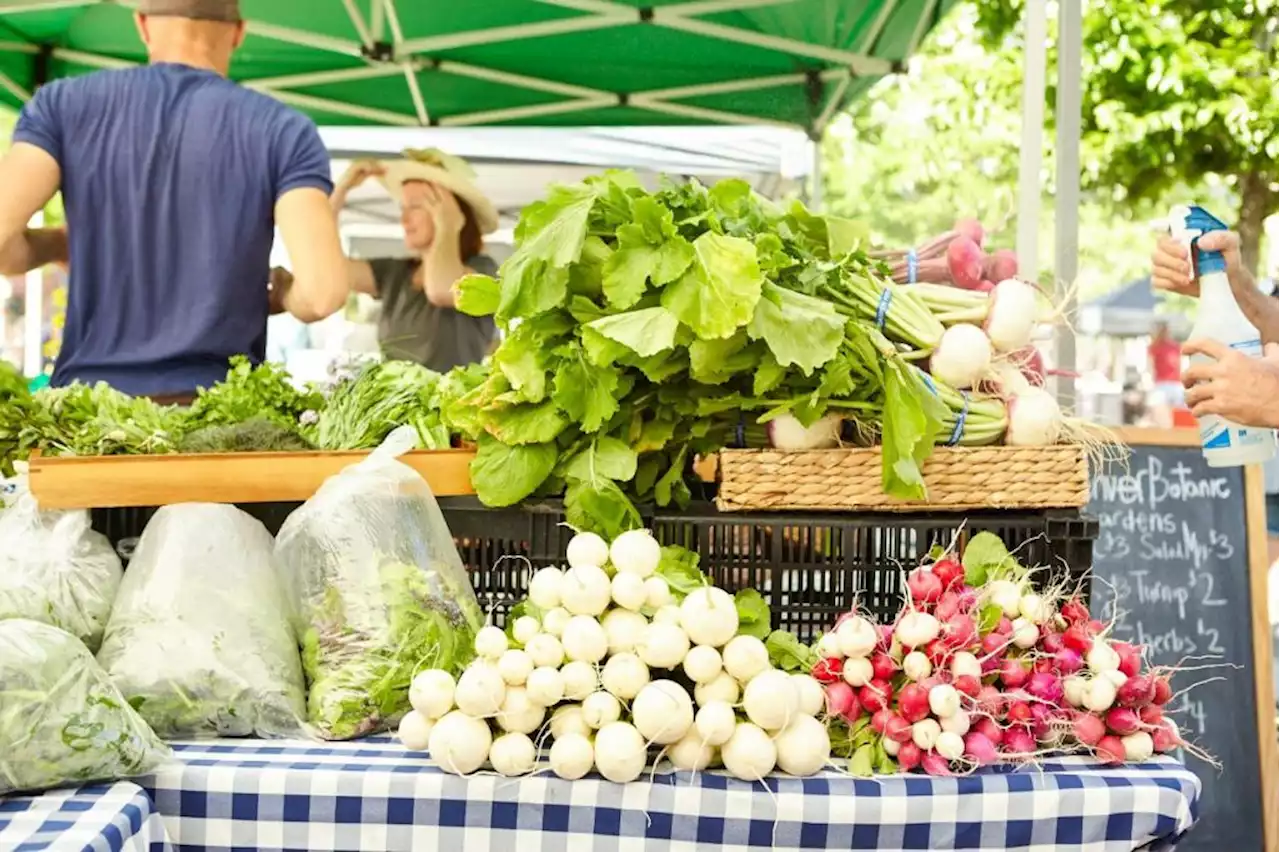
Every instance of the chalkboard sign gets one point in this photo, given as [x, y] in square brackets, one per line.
[1173, 563]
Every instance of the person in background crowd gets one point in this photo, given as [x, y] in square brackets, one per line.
[174, 179]
[444, 217]
[1165, 355]
[1233, 385]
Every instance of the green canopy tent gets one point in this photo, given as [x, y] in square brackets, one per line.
[514, 62]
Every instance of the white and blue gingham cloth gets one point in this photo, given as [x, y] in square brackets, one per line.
[372, 794]
[116, 817]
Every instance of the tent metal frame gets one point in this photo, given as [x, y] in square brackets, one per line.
[381, 46]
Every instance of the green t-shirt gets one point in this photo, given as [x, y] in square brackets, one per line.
[413, 329]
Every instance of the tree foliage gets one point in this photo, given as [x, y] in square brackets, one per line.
[1173, 91]
[942, 141]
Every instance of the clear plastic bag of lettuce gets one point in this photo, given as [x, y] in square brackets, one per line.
[378, 590]
[62, 720]
[54, 568]
[199, 640]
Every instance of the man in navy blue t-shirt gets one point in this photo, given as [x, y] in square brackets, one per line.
[173, 179]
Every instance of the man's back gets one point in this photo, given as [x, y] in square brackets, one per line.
[170, 175]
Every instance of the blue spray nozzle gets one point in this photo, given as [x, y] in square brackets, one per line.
[1193, 222]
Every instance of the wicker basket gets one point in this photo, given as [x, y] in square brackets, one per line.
[957, 478]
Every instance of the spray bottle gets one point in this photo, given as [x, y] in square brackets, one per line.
[1224, 444]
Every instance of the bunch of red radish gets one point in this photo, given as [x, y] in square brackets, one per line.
[968, 677]
[956, 257]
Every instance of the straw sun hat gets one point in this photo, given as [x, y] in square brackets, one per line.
[452, 173]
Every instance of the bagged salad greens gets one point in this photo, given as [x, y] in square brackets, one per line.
[62, 721]
[54, 568]
[200, 640]
[378, 591]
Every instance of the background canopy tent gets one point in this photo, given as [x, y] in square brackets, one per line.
[515, 62]
[1131, 311]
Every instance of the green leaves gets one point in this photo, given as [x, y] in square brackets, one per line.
[718, 294]
[645, 332]
[585, 392]
[788, 653]
[912, 422]
[478, 295]
[798, 329]
[593, 500]
[536, 277]
[503, 475]
[648, 249]
[753, 613]
[525, 423]
[986, 559]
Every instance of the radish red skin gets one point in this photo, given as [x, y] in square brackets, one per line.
[1046, 687]
[1130, 658]
[968, 685]
[925, 586]
[979, 749]
[840, 699]
[972, 229]
[1165, 739]
[1013, 674]
[964, 259]
[1123, 721]
[886, 637]
[1050, 642]
[1020, 712]
[1110, 750]
[1136, 692]
[1018, 741]
[898, 729]
[937, 652]
[1074, 611]
[883, 667]
[1043, 665]
[999, 265]
[991, 700]
[913, 702]
[948, 605]
[949, 571]
[1164, 692]
[994, 643]
[880, 719]
[875, 695]
[1096, 627]
[1152, 715]
[909, 756]
[990, 729]
[828, 670]
[1077, 639]
[1088, 729]
[935, 764]
[1069, 661]
[959, 631]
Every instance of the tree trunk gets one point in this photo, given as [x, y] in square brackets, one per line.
[1256, 203]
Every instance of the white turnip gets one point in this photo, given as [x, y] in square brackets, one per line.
[545, 650]
[745, 657]
[491, 642]
[586, 590]
[624, 675]
[584, 640]
[723, 688]
[691, 753]
[628, 591]
[525, 628]
[600, 709]
[770, 700]
[749, 754]
[788, 433]
[545, 686]
[1011, 318]
[620, 752]
[803, 746]
[544, 588]
[702, 664]
[962, 358]
[568, 720]
[415, 731]
[810, 698]
[635, 552]
[431, 693]
[572, 756]
[624, 629]
[513, 754]
[520, 713]
[587, 548]
[715, 722]
[480, 691]
[662, 712]
[580, 680]
[709, 616]
[460, 743]
[663, 646]
[657, 593]
[857, 636]
[1035, 419]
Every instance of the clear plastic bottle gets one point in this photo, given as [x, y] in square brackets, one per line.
[1224, 444]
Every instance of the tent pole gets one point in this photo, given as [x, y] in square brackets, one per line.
[815, 187]
[1031, 155]
[1067, 198]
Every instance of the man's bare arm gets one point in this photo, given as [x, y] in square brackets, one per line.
[30, 177]
[320, 283]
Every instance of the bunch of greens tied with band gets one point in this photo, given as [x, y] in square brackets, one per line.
[643, 329]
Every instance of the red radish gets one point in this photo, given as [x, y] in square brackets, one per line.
[964, 260]
[883, 666]
[1096, 627]
[1077, 639]
[947, 607]
[1000, 264]
[1165, 738]
[962, 358]
[968, 685]
[886, 637]
[1046, 687]
[1163, 692]
[980, 749]
[1030, 363]
[1040, 713]
[1109, 750]
[959, 631]
[828, 670]
[1018, 740]
[1136, 691]
[990, 729]
[1050, 642]
[1123, 721]
[937, 652]
[1013, 673]
[994, 643]
[840, 699]
[949, 571]
[909, 756]
[984, 286]
[935, 764]
[990, 700]
[972, 229]
[931, 681]
[925, 586]
[897, 729]
[1074, 611]
[1043, 665]
[1088, 729]
[1069, 661]
[1004, 626]
[879, 719]
[1019, 711]
[913, 702]
[1152, 715]
[968, 598]
[875, 695]
[1130, 658]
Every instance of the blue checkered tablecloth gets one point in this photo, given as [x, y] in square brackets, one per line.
[373, 795]
[116, 817]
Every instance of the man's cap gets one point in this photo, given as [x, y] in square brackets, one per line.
[224, 11]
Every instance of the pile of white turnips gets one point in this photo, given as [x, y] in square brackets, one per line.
[606, 672]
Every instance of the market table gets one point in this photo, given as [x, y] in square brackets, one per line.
[116, 817]
[371, 794]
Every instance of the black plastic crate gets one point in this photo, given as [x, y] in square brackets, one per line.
[811, 567]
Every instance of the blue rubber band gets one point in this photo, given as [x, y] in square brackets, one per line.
[913, 266]
[928, 382]
[740, 434]
[882, 310]
[958, 432]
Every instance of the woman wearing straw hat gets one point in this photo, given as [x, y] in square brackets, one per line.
[444, 217]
